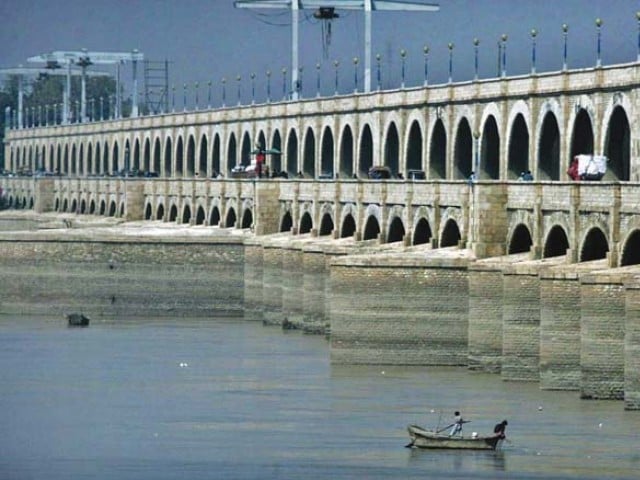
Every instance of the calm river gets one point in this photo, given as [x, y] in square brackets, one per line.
[229, 399]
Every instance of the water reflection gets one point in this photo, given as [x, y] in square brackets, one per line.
[457, 460]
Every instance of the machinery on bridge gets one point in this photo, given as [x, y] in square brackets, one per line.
[22, 72]
[83, 59]
[325, 11]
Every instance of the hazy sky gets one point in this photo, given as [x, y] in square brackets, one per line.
[206, 40]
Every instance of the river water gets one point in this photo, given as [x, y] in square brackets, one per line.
[230, 399]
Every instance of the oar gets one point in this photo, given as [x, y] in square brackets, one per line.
[445, 428]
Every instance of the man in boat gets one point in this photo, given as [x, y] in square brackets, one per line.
[500, 428]
[456, 428]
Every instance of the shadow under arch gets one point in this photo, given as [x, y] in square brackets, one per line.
[520, 240]
[173, 213]
[556, 244]
[396, 231]
[631, 250]
[160, 212]
[422, 233]
[595, 246]
[247, 218]
[200, 216]
[450, 234]
[214, 218]
[286, 224]
[186, 214]
[230, 221]
[306, 223]
[348, 228]
[371, 228]
[147, 212]
[326, 225]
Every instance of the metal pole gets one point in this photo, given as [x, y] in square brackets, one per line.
[534, 33]
[83, 94]
[20, 100]
[134, 67]
[367, 46]
[294, 49]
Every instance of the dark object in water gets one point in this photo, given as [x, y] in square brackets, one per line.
[77, 320]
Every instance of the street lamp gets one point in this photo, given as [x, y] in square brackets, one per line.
[336, 64]
[425, 50]
[504, 54]
[403, 55]
[284, 83]
[379, 57]
[253, 88]
[268, 73]
[450, 46]
[599, 23]
[476, 43]
[318, 80]
[534, 34]
[355, 74]
[209, 94]
[238, 79]
[565, 33]
[299, 82]
[638, 19]
[197, 85]
[184, 97]
[224, 90]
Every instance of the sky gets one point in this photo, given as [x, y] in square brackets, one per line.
[206, 40]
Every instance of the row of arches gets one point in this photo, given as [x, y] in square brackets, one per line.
[442, 141]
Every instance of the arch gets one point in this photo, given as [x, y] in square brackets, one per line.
[92, 207]
[186, 214]
[348, 228]
[490, 151]
[371, 228]
[326, 225]
[549, 148]
[414, 147]
[292, 153]
[157, 166]
[618, 146]
[438, 152]
[73, 209]
[230, 221]
[365, 161]
[135, 166]
[160, 212]
[422, 232]
[392, 149]
[306, 223]
[582, 135]
[595, 245]
[168, 157]
[276, 159]
[631, 249]
[173, 213]
[462, 163]
[115, 158]
[83, 206]
[556, 243]
[112, 208]
[396, 230]
[215, 156]
[247, 218]
[245, 150]
[214, 218]
[200, 215]
[104, 167]
[309, 154]
[147, 212]
[191, 157]
[103, 207]
[518, 155]
[179, 167]
[450, 234]
[231, 153]
[520, 240]
[345, 167]
[326, 154]
[146, 156]
[286, 224]
[202, 163]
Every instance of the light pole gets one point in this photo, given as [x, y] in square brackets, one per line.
[450, 46]
[268, 73]
[355, 74]
[184, 97]
[299, 82]
[638, 19]
[504, 54]
[403, 55]
[599, 23]
[224, 90]
[209, 95]
[197, 85]
[476, 44]
[238, 79]
[379, 58]
[253, 88]
[425, 50]
[565, 34]
[318, 80]
[534, 34]
[336, 64]
[284, 83]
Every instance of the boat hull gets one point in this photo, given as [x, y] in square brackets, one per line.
[422, 438]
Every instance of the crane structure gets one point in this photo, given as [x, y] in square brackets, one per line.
[325, 6]
[27, 72]
[83, 59]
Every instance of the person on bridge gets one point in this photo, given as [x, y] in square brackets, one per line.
[573, 171]
[260, 157]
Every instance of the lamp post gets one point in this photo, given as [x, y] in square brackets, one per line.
[224, 90]
[379, 58]
[101, 108]
[565, 33]
[336, 64]
[638, 19]
[184, 97]
[284, 83]
[268, 73]
[46, 116]
[197, 85]
[403, 56]
[599, 23]
[209, 94]
[238, 79]
[425, 51]
[299, 82]
[534, 34]
[253, 88]
[476, 44]
[450, 46]
[318, 79]
[503, 38]
[355, 74]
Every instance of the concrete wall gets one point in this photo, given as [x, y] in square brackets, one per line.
[632, 344]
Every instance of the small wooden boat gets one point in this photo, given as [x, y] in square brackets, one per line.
[422, 438]
[77, 320]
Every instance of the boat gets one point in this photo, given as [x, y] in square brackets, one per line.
[422, 438]
[77, 320]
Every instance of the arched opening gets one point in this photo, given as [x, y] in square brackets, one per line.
[157, 163]
[191, 157]
[346, 154]
[214, 219]
[292, 153]
[286, 224]
[215, 156]
[490, 152]
[231, 219]
[122, 215]
[112, 209]
[306, 223]
[414, 148]
[518, 161]
[371, 228]
[168, 158]
[83, 207]
[186, 214]
[438, 152]
[200, 216]
[463, 165]
[103, 207]
[276, 159]
[396, 231]
[631, 250]
[92, 207]
[245, 153]
[231, 153]
[202, 164]
[450, 234]
[160, 212]
[309, 155]
[549, 149]
[618, 146]
[173, 213]
[326, 225]
[146, 162]
[247, 218]
[595, 246]
[582, 138]
[326, 154]
[348, 226]
[366, 152]
[179, 172]
[148, 212]
[557, 243]
[422, 233]
[520, 240]
[392, 150]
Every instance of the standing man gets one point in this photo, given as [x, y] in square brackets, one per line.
[260, 158]
[456, 428]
